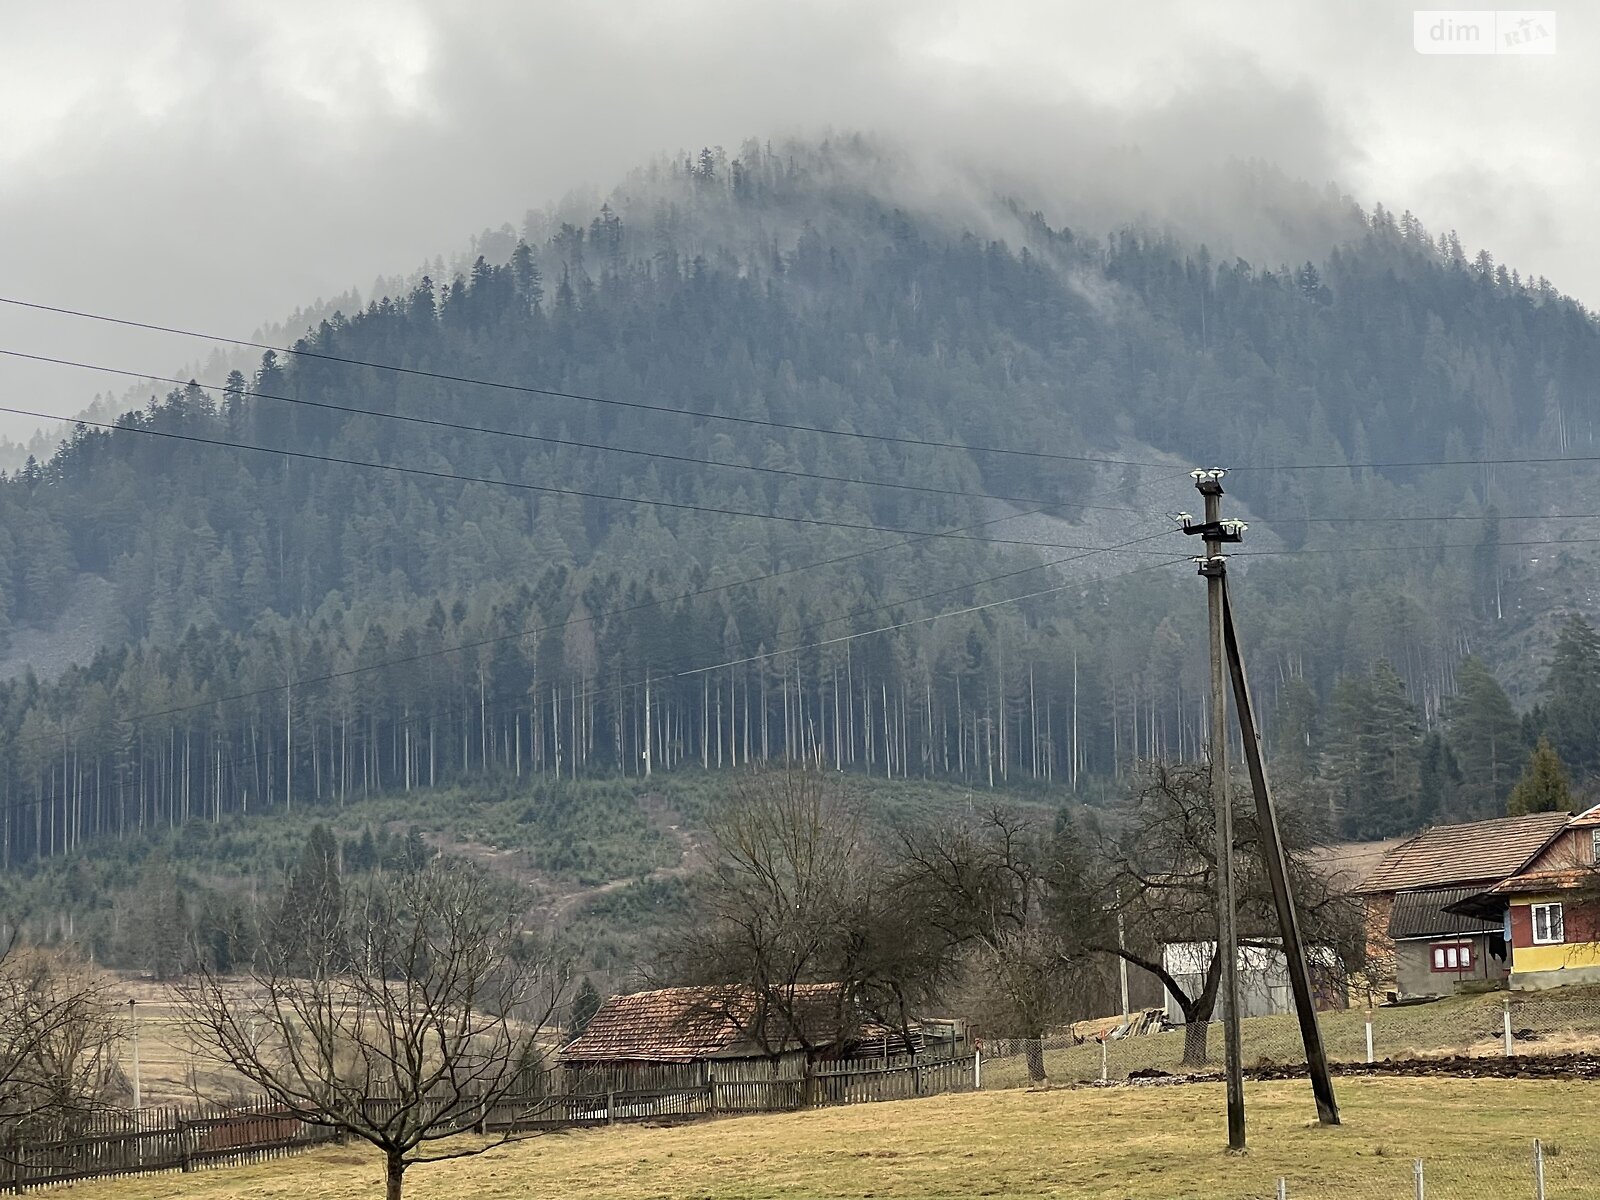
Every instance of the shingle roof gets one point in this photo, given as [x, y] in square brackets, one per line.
[686, 1024]
[1421, 914]
[1481, 852]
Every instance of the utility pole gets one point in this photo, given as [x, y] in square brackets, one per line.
[1215, 533]
[133, 1021]
[1294, 953]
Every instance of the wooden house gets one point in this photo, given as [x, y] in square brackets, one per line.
[1550, 910]
[1420, 942]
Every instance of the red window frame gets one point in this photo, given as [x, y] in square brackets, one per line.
[1450, 958]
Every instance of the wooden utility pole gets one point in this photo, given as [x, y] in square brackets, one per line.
[1209, 485]
[1225, 645]
[1278, 875]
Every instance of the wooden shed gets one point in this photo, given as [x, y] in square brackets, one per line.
[687, 1036]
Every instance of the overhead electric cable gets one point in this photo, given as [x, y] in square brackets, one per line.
[555, 393]
[543, 487]
[554, 441]
[534, 631]
[234, 764]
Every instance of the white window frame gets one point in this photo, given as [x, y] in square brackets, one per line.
[1594, 844]
[1554, 921]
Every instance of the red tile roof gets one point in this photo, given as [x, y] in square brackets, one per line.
[1480, 852]
[686, 1024]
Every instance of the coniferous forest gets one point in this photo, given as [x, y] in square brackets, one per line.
[559, 588]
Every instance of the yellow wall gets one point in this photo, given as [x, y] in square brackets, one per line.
[1570, 955]
[1554, 958]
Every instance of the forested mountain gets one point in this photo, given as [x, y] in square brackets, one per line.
[302, 628]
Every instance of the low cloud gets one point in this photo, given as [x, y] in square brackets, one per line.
[221, 164]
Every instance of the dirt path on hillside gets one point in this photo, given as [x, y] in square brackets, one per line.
[667, 822]
[559, 900]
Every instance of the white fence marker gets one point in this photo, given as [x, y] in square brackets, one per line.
[1505, 1017]
[1422, 1191]
[1369, 1035]
[1538, 1169]
[977, 1069]
[1105, 1066]
[1283, 1188]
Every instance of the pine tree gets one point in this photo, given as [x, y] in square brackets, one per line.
[311, 901]
[1297, 732]
[1543, 786]
[1486, 737]
[1572, 688]
[1373, 756]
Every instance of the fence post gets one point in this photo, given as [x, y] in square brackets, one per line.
[1370, 1056]
[185, 1158]
[977, 1070]
[1505, 1017]
[1283, 1188]
[611, 1107]
[1105, 1065]
[1538, 1169]
[1422, 1191]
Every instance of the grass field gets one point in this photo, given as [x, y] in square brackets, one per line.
[1077, 1144]
[1568, 1020]
[1552, 1022]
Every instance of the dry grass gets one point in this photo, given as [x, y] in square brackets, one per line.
[169, 1070]
[1077, 1144]
[1564, 1022]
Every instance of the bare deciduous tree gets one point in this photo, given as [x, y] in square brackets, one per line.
[986, 884]
[1153, 862]
[799, 894]
[59, 1041]
[415, 1010]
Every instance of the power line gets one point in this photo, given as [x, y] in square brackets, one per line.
[959, 612]
[554, 393]
[1430, 517]
[499, 701]
[542, 487]
[534, 631]
[1423, 546]
[1421, 462]
[554, 441]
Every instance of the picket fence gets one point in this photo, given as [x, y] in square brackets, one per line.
[180, 1139]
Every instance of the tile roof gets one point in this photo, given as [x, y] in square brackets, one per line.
[686, 1024]
[1480, 852]
[1422, 914]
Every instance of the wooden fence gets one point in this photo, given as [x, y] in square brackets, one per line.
[157, 1139]
[178, 1139]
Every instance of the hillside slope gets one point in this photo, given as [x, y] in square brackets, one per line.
[601, 584]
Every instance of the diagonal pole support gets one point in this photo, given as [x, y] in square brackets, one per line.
[1278, 875]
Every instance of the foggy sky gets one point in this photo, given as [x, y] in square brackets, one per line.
[219, 163]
